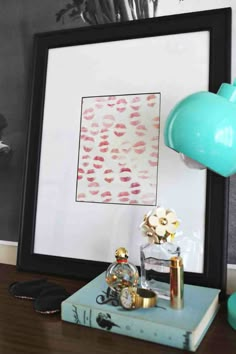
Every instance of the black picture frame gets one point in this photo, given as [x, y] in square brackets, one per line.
[218, 23]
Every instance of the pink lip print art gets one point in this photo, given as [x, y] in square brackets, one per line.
[119, 149]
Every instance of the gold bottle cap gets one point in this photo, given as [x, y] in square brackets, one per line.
[121, 254]
[176, 262]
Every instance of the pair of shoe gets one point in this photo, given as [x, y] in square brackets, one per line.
[47, 296]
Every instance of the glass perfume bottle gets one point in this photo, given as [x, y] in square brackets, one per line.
[155, 259]
[159, 226]
[121, 273]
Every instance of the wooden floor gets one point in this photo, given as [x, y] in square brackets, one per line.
[22, 330]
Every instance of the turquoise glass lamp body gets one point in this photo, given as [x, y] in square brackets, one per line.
[203, 127]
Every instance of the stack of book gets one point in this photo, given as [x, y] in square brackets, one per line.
[95, 306]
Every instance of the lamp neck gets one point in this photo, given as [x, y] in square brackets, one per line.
[228, 91]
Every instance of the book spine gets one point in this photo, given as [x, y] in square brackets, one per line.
[128, 326]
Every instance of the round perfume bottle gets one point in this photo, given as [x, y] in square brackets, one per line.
[121, 273]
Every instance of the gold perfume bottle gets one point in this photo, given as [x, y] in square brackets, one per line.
[176, 283]
[121, 273]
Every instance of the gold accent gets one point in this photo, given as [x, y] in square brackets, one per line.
[163, 221]
[121, 253]
[176, 262]
[176, 283]
[142, 298]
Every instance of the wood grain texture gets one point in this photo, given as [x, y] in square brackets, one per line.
[24, 331]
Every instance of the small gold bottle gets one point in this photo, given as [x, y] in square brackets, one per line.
[176, 283]
[121, 273]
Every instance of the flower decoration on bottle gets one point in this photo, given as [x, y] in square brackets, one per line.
[160, 225]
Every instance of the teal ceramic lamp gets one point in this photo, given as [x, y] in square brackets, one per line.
[203, 127]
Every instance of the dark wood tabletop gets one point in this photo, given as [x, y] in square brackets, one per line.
[22, 330]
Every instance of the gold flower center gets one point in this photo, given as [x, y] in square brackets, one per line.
[163, 221]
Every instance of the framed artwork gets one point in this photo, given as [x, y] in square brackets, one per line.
[96, 161]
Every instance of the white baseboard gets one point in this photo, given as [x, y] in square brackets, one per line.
[231, 278]
[8, 254]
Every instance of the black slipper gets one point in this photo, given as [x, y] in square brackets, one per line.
[50, 299]
[29, 290]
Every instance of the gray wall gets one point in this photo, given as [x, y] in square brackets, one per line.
[19, 20]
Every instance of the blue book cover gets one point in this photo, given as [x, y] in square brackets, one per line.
[94, 306]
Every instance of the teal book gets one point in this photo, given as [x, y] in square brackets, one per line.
[95, 306]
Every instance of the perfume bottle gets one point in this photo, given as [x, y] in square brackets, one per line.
[160, 226]
[155, 259]
[121, 273]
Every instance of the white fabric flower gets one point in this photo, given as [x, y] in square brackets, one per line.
[163, 221]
